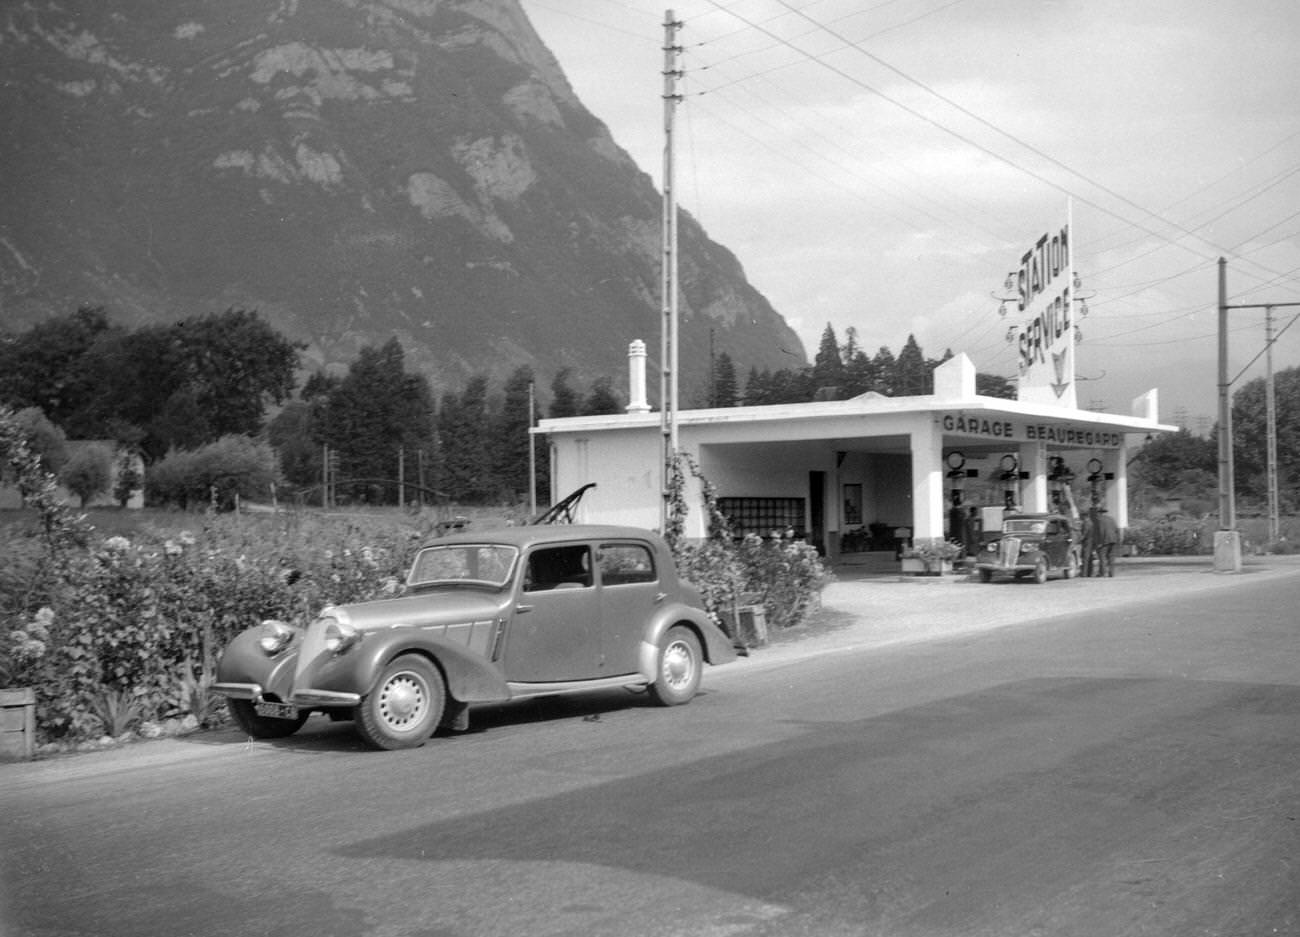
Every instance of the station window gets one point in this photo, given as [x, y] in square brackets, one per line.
[763, 515]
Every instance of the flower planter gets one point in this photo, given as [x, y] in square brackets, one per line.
[17, 723]
[917, 566]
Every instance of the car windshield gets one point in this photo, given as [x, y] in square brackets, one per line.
[490, 564]
[1025, 527]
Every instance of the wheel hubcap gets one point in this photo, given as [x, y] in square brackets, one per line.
[678, 664]
[402, 700]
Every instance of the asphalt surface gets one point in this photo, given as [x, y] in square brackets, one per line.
[863, 609]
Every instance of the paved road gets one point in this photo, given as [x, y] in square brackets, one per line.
[1110, 757]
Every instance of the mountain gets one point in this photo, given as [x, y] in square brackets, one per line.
[352, 169]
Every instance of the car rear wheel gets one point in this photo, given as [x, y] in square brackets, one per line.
[1072, 565]
[1040, 571]
[679, 667]
[262, 727]
[405, 706]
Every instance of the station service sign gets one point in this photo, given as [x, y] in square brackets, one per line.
[1044, 283]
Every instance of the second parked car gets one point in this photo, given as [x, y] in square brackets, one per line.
[1032, 545]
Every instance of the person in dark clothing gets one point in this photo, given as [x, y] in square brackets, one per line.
[1106, 538]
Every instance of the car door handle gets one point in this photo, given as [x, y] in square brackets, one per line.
[523, 608]
[660, 596]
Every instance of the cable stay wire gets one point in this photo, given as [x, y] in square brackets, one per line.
[1146, 213]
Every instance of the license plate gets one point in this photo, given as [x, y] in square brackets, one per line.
[276, 710]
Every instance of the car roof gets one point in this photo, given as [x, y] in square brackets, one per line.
[1035, 517]
[528, 535]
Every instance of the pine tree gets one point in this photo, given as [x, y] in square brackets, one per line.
[885, 368]
[828, 366]
[564, 399]
[725, 392]
[511, 439]
[463, 430]
[912, 376]
[603, 399]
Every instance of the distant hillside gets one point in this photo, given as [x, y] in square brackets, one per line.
[354, 169]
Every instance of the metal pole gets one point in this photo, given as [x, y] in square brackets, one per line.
[1270, 402]
[1227, 487]
[668, 280]
[1227, 542]
[532, 455]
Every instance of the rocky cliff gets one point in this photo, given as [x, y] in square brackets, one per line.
[354, 169]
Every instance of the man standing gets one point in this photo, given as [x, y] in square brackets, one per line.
[1107, 538]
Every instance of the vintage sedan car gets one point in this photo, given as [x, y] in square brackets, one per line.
[1034, 545]
[484, 617]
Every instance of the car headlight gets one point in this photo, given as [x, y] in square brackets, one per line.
[340, 636]
[992, 546]
[276, 636]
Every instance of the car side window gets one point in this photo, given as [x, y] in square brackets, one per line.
[623, 563]
[566, 567]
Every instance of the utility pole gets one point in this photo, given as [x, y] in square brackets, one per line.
[668, 281]
[1227, 540]
[532, 453]
[1270, 407]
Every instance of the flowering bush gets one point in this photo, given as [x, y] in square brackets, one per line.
[783, 574]
[130, 628]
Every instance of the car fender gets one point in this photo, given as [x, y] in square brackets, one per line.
[470, 678]
[244, 665]
[717, 647]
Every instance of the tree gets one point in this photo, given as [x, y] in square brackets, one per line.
[885, 368]
[603, 399]
[828, 366]
[725, 391]
[911, 374]
[564, 399]
[757, 387]
[466, 465]
[235, 362]
[44, 438]
[1250, 434]
[377, 413]
[994, 385]
[88, 472]
[43, 366]
[511, 439]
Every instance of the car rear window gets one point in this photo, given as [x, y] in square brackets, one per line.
[623, 563]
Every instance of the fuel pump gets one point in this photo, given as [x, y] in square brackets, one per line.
[1010, 475]
[1097, 482]
[1060, 479]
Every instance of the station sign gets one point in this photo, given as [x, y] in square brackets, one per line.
[1044, 283]
[998, 428]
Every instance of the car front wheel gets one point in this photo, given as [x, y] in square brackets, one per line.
[405, 706]
[679, 667]
[262, 727]
[1040, 571]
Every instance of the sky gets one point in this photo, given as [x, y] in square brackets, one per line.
[882, 165]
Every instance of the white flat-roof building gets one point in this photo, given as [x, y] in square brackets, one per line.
[859, 473]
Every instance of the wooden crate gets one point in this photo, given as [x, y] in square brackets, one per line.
[17, 723]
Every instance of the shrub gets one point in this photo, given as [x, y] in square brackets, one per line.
[782, 574]
[88, 472]
[218, 474]
[1168, 537]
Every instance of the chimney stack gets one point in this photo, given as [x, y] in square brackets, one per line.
[636, 378]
